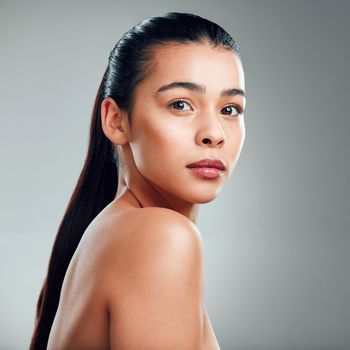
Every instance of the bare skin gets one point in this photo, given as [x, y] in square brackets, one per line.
[136, 279]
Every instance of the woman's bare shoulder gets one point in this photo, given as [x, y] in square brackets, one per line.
[157, 217]
[153, 269]
[134, 225]
[126, 239]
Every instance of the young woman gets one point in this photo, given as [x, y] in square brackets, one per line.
[167, 129]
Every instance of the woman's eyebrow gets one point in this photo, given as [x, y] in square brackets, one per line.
[198, 88]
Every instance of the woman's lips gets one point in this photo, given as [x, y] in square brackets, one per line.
[208, 168]
[207, 173]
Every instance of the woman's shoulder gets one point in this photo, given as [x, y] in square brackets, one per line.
[145, 266]
[151, 243]
[138, 223]
[153, 278]
[131, 234]
[153, 226]
[149, 226]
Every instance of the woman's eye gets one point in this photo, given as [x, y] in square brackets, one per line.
[180, 105]
[231, 110]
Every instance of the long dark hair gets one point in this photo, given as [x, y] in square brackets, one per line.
[129, 63]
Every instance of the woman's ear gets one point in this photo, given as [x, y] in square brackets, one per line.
[114, 122]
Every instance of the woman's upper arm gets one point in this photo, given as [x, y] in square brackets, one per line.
[155, 284]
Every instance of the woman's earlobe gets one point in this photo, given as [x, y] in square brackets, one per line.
[113, 121]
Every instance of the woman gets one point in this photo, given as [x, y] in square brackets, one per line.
[167, 129]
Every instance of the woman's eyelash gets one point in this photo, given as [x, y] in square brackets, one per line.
[181, 103]
[238, 108]
[178, 103]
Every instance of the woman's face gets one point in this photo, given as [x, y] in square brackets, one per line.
[175, 125]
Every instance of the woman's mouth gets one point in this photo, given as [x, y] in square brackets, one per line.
[208, 168]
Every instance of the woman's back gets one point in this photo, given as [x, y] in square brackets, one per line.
[135, 281]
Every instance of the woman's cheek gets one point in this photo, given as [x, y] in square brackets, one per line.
[149, 154]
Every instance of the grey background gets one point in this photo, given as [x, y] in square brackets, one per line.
[276, 240]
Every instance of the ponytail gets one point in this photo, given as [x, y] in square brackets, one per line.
[96, 188]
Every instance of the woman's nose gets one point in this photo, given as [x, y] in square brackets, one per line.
[210, 132]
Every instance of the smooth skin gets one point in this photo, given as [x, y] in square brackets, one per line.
[136, 278]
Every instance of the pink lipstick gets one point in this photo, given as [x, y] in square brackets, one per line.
[208, 168]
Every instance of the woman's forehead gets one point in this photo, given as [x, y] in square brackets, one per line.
[183, 54]
[199, 63]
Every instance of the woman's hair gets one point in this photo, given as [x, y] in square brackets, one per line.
[129, 63]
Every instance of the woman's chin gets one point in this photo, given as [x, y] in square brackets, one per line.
[204, 200]
[203, 197]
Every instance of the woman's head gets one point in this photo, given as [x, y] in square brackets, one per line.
[178, 87]
[131, 59]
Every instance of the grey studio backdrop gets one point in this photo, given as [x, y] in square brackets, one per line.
[276, 240]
